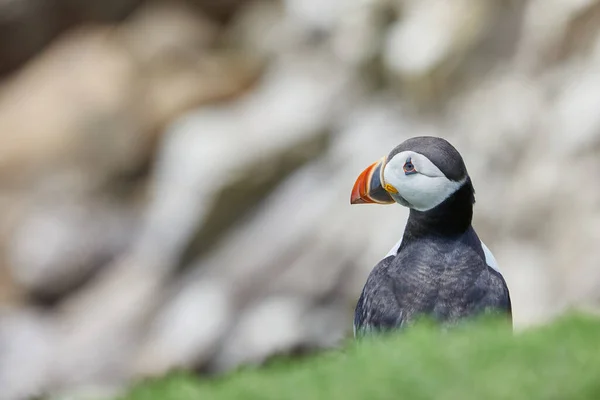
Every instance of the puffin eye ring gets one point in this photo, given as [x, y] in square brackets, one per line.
[409, 167]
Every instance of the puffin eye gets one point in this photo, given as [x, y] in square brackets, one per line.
[409, 167]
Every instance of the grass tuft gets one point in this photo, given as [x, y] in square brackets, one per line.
[479, 360]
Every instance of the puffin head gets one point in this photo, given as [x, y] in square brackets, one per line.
[420, 173]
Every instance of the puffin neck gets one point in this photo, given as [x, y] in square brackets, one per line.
[451, 218]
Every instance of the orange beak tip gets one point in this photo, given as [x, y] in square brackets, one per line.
[360, 191]
[368, 188]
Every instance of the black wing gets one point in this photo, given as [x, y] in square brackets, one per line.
[501, 301]
[377, 308]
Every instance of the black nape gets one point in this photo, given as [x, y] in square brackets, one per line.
[452, 217]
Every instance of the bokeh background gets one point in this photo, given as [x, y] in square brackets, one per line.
[175, 175]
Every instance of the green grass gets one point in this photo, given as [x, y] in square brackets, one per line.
[477, 361]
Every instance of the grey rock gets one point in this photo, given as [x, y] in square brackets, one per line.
[188, 329]
[205, 151]
[433, 31]
[100, 327]
[26, 353]
[58, 246]
[272, 325]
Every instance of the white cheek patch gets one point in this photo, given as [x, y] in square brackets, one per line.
[424, 190]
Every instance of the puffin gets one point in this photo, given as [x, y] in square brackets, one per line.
[439, 268]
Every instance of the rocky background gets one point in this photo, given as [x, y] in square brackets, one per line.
[175, 175]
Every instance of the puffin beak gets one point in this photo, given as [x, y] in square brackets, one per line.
[368, 187]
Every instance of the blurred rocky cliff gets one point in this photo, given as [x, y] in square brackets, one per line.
[175, 175]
